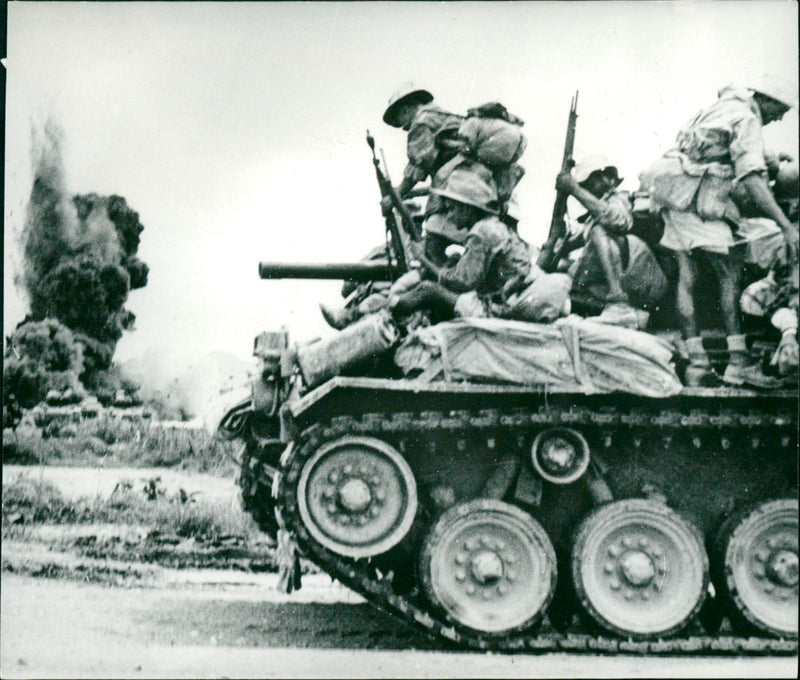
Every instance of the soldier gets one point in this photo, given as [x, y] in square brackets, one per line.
[776, 297]
[616, 267]
[432, 133]
[432, 142]
[691, 185]
[493, 257]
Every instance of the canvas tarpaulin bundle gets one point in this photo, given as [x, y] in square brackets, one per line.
[597, 357]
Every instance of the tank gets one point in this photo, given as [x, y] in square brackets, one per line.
[539, 517]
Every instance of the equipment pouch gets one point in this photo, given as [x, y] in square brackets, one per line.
[669, 185]
[493, 141]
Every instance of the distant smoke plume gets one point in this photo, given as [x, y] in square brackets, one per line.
[79, 257]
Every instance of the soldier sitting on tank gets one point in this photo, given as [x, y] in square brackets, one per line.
[617, 269]
[431, 142]
[776, 297]
[691, 185]
[366, 298]
[494, 256]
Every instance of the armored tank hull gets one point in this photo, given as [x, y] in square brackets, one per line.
[507, 517]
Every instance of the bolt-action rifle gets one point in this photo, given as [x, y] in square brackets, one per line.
[557, 238]
[410, 227]
[380, 269]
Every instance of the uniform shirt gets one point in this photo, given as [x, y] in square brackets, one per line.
[693, 181]
[728, 132]
[615, 214]
[426, 146]
[493, 255]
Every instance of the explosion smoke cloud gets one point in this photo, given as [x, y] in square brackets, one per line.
[79, 258]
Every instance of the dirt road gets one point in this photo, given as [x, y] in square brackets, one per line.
[242, 628]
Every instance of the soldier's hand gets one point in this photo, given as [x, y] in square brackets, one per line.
[564, 182]
[416, 249]
[386, 205]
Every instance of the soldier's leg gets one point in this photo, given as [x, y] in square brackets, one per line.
[741, 368]
[727, 269]
[684, 296]
[699, 372]
[427, 295]
[610, 260]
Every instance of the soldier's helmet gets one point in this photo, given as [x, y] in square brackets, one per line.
[467, 187]
[778, 89]
[406, 94]
[583, 170]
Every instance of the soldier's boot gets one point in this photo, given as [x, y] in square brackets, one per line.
[741, 370]
[338, 318]
[699, 372]
[373, 303]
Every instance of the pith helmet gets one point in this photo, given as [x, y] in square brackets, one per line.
[406, 94]
[591, 164]
[775, 88]
[466, 187]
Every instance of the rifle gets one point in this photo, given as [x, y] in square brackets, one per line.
[409, 225]
[557, 238]
[387, 189]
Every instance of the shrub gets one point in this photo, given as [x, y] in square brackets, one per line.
[120, 442]
[37, 501]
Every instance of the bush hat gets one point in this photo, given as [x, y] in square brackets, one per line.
[585, 168]
[775, 88]
[406, 94]
[466, 187]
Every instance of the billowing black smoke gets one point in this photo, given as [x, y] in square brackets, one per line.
[80, 261]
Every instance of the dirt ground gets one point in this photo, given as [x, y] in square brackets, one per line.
[65, 614]
[65, 629]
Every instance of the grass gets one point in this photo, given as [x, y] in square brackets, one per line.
[114, 442]
[170, 526]
[29, 501]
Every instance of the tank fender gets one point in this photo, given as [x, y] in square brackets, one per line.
[230, 413]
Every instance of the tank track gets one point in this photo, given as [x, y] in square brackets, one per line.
[365, 579]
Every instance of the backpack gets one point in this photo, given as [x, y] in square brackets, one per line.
[492, 135]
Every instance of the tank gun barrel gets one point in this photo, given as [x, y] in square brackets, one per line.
[374, 270]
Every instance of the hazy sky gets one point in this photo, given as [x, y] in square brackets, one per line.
[237, 131]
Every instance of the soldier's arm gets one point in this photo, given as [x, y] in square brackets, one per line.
[756, 186]
[612, 212]
[421, 149]
[470, 271]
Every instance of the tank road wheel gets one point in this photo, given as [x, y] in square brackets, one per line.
[639, 569]
[357, 496]
[761, 569]
[490, 567]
